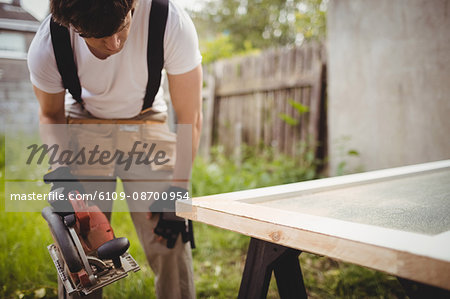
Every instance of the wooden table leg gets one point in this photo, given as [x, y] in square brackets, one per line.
[263, 258]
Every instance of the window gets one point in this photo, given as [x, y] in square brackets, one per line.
[12, 45]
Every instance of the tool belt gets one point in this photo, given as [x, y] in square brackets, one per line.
[78, 115]
[112, 135]
[147, 127]
[91, 121]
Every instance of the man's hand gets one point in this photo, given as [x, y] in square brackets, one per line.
[63, 182]
[169, 225]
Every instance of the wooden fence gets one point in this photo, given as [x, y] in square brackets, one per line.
[244, 98]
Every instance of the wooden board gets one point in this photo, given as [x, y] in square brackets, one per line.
[394, 220]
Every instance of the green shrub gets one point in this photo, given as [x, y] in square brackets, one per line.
[256, 168]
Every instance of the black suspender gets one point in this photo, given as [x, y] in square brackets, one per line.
[155, 49]
[64, 60]
[155, 54]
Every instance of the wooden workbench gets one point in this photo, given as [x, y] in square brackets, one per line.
[394, 220]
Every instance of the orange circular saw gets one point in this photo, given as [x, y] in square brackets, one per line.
[86, 253]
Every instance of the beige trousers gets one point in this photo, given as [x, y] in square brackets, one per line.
[172, 267]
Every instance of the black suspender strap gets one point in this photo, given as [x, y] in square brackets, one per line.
[155, 54]
[64, 59]
[155, 49]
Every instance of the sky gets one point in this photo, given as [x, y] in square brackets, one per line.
[39, 8]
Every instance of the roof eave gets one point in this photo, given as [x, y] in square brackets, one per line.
[19, 25]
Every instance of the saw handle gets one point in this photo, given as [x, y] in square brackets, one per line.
[113, 249]
[64, 241]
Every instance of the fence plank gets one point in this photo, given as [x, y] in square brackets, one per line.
[251, 92]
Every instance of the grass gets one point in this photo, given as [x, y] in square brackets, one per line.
[26, 270]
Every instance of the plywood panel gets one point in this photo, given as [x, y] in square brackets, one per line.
[419, 203]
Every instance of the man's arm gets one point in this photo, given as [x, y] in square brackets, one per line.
[51, 110]
[186, 94]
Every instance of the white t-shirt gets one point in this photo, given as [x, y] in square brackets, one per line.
[115, 87]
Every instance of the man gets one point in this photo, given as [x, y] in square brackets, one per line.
[109, 43]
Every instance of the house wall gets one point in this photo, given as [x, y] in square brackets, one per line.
[389, 82]
[17, 101]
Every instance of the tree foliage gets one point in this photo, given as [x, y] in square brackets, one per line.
[259, 24]
[223, 47]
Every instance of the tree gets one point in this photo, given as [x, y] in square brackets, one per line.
[250, 24]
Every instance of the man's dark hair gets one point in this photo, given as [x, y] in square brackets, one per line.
[92, 18]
